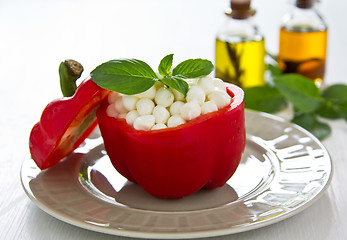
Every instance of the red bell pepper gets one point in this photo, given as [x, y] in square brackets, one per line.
[176, 162]
[64, 124]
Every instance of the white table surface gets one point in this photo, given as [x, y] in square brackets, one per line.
[37, 35]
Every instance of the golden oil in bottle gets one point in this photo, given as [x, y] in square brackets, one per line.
[303, 53]
[240, 48]
[303, 41]
[241, 62]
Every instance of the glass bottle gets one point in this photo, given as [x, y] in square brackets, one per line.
[240, 48]
[303, 41]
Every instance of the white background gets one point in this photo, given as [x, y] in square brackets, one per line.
[35, 36]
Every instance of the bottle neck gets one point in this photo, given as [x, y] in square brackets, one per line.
[303, 19]
[239, 30]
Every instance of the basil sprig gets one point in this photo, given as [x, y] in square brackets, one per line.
[132, 76]
[309, 102]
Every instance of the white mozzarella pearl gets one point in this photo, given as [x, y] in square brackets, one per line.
[119, 105]
[175, 107]
[131, 116]
[129, 102]
[197, 94]
[112, 97]
[150, 93]
[145, 106]
[175, 120]
[158, 85]
[206, 83]
[178, 95]
[159, 126]
[164, 97]
[209, 106]
[191, 81]
[219, 84]
[145, 122]
[190, 110]
[161, 114]
[220, 98]
[122, 115]
[111, 111]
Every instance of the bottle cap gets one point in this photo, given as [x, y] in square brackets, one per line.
[304, 3]
[240, 9]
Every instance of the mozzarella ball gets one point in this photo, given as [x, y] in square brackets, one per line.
[197, 94]
[209, 106]
[145, 122]
[150, 93]
[131, 116]
[190, 110]
[161, 114]
[206, 83]
[159, 126]
[175, 120]
[219, 84]
[178, 95]
[122, 115]
[112, 97]
[145, 106]
[158, 85]
[111, 111]
[129, 102]
[220, 98]
[164, 97]
[175, 107]
[119, 105]
[191, 81]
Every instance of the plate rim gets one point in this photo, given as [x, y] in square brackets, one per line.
[194, 234]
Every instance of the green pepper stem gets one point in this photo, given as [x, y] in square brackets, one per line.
[69, 71]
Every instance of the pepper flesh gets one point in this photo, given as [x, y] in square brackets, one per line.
[64, 124]
[176, 162]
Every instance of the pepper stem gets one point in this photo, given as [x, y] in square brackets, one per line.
[69, 71]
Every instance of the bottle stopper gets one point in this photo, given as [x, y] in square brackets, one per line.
[240, 9]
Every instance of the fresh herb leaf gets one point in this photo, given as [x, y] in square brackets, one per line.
[336, 93]
[127, 76]
[177, 83]
[310, 123]
[264, 98]
[328, 110]
[165, 65]
[299, 90]
[193, 68]
[342, 110]
[274, 70]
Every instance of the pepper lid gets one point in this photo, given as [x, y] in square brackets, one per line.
[304, 3]
[240, 9]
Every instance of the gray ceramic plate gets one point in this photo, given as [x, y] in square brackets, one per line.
[283, 170]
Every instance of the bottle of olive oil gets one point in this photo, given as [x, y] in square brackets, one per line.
[240, 48]
[303, 41]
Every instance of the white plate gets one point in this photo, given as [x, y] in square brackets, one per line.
[283, 170]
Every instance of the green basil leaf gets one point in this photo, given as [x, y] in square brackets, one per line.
[336, 93]
[328, 110]
[342, 110]
[310, 123]
[128, 76]
[177, 83]
[193, 68]
[264, 98]
[301, 91]
[165, 65]
[274, 70]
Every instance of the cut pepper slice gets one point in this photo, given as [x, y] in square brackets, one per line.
[64, 124]
[176, 162]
